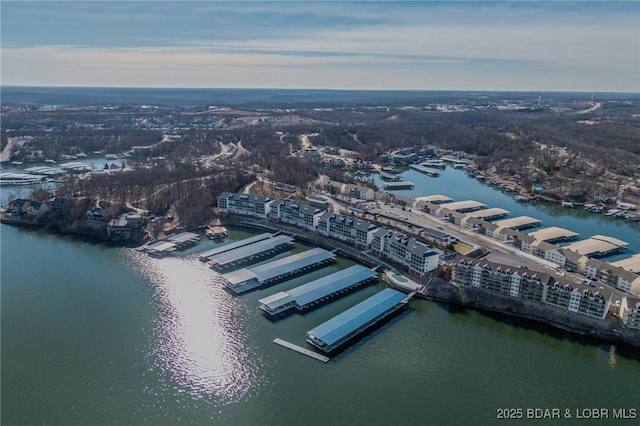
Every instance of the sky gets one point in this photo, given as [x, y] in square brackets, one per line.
[584, 46]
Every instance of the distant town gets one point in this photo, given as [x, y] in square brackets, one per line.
[152, 174]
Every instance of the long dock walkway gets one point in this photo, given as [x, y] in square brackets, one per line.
[301, 350]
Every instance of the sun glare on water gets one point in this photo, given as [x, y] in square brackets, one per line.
[198, 340]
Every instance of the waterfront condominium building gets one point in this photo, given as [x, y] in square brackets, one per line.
[302, 215]
[523, 283]
[419, 257]
[346, 228]
[508, 280]
[246, 204]
[630, 312]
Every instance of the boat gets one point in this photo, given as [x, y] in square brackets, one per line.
[216, 232]
[521, 199]
[567, 204]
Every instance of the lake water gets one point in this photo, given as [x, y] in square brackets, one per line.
[96, 334]
[458, 186]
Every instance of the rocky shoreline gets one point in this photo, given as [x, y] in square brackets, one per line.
[610, 330]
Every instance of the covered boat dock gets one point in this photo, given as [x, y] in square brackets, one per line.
[598, 246]
[333, 333]
[316, 292]
[553, 234]
[184, 239]
[519, 223]
[241, 255]
[206, 255]
[248, 279]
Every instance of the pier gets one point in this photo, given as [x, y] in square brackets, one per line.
[301, 350]
[270, 273]
[519, 223]
[337, 331]
[554, 234]
[206, 255]
[255, 251]
[317, 292]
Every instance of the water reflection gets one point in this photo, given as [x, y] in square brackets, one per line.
[198, 338]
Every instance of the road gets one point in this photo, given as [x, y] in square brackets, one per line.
[500, 252]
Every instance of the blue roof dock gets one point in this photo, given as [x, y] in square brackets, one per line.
[248, 253]
[245, 280]
[318, 291]
[338, 330]
[206, 255]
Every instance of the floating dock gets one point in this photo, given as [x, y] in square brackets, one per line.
[270, 273]
[335, 332]
[301, 350]
[206, 255]
[317, 292]
[426, 170]
[255, 251]
[398, 185]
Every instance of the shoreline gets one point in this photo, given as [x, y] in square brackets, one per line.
[609, 330]
[442, 291]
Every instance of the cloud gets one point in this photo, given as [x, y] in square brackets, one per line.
[585, 46]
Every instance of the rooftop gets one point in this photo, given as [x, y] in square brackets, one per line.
[350, 321]
[553, 233]
[227, 247]
[630, 263]
[597, 245]
[487, 213]
[435, 199]
[272, 270]
[518, 222]
[464, 205]
[250, 250]
[320, 288]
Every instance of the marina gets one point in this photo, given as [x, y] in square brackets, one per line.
[316, 292]
[435, 199]
[465, 206]
[248, 279]
[631, 263]
[335, 332]
[249, 253]
[206, 255]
